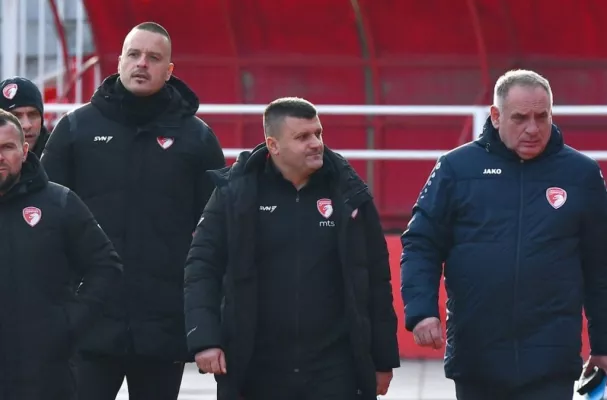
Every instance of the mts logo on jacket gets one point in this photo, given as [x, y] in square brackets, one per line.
[105, 139]
[492, 171]
[32, 215]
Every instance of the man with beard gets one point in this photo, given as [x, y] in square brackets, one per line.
[48, 238]
[137, 155]
[21, 97]
[288, 291]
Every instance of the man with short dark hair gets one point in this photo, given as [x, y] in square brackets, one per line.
[519, 220]
[137, 154]
[48, 239]
[21, 97]
[287, 292]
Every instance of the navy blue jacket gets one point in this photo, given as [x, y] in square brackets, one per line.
[524, 249]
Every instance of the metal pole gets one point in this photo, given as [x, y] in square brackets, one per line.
[9, 40]
[41, 44]
[79, 49]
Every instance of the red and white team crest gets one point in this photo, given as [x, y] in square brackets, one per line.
[32, 215]
[556, 197]
[10, 91]
[325, 207]
[165, 143]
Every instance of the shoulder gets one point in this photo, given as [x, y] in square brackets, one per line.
[58, 194]
[577, 159]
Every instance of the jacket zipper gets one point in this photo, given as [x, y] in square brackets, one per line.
[297, 284]
[517, 267]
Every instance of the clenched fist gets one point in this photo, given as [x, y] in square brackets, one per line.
[212, 361]
[429, 333]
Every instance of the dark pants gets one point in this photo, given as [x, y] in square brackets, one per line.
[546, 390]
[100, 377]
[331, 383]
[54, 381]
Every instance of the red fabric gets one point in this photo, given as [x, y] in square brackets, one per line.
[433, 52]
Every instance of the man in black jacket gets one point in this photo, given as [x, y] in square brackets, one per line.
[520, 221]
[21, 97]
[137, 155]
[292, 242]
[48, 240]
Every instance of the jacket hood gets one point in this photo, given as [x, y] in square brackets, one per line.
[491, 141]
[183, 101]
[33, 178]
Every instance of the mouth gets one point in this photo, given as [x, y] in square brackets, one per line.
[140, 77]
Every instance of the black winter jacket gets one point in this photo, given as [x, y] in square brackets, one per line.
[147, 187]
[221, 264]
[41, 142]
[524, 249]
[48, 240]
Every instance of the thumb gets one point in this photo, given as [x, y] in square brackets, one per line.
[222, 362]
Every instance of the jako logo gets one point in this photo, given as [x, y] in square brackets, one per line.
[105, 139]
[492, 171]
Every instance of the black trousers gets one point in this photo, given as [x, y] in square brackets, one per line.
[327, 383]
[545, 390]
[100, 377]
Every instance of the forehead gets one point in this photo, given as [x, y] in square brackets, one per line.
[298, 125]
[527, 98]
[145, 41]
[24, 110]
[9, 133]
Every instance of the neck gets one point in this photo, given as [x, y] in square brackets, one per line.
[141, 109]
[12, 184]
[297, 178]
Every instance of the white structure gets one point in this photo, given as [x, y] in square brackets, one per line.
[31, 47]
[478, 113]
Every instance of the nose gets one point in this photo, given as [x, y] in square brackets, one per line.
[26, 124]
[532, 127]
[142, 62]
[316, 142]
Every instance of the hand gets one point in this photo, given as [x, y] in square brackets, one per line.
[212, 361]
[595, 361]
[429, 333]
[383, 382]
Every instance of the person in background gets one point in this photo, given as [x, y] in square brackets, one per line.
[21, 97]
[137, 155]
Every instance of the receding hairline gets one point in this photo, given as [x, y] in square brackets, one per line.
[519, 78]
[150, 27]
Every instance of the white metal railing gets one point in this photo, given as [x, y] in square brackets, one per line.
[478, 113]
[32, 47]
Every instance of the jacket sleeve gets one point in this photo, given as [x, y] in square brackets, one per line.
[56, 157]
[426, 242]
[213, 159]
[94, 261]
[384, 324]
[594, 261]
[204, 271]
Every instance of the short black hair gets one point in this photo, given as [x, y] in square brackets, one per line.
[154, 28]
[283, 107]
[8, 118]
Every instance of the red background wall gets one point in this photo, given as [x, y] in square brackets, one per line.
[407, 346]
